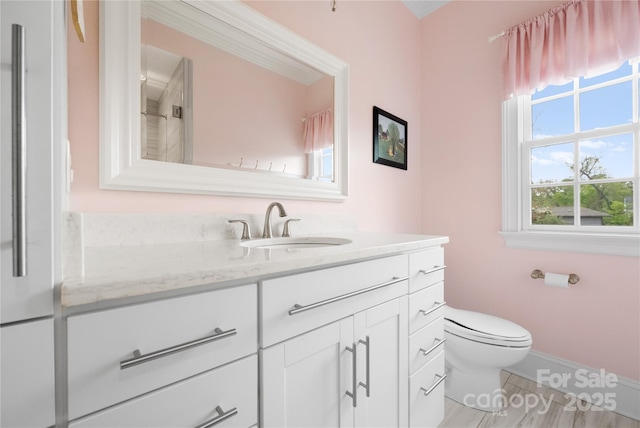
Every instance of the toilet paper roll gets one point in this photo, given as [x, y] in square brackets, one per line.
[556, 280]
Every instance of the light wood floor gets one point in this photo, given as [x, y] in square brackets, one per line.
[548, 408]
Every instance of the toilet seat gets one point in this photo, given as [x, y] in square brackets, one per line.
[485, 328]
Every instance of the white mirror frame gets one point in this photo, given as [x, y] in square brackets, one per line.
[121, 166]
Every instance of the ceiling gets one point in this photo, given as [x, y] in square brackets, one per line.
[421, 8]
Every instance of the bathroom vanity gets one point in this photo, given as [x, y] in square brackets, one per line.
[225, 335]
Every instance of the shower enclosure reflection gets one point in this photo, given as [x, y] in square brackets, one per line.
[166, 98]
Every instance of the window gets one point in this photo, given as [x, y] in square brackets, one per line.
[321, 165]
[571, 163]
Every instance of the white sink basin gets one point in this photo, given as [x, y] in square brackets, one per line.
[295, 243]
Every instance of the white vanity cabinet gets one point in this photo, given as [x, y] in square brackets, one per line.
[426, 338]
[124, 353]
[357, 344]
[349, 365]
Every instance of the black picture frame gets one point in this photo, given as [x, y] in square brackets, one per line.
[389, 139]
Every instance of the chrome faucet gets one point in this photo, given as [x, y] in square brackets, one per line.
[266, 232]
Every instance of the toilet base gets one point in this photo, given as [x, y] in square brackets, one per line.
[480, 390]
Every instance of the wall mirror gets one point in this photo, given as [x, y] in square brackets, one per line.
[239, 137]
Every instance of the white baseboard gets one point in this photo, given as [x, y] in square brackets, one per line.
[603, 389]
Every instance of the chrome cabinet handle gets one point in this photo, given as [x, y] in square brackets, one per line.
[367, 385]
[138, 358]
[435, 269]
[354, 381]
[436, 306]
[440, 379]
[437, 344]
[222, 416]
[19, 150]
[299, 308]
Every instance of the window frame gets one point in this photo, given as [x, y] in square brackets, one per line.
[517, 229]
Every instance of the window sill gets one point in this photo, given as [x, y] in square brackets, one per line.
[606, 244]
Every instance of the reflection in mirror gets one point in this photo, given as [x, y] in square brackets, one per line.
[166, 106]
[254, 108]
[246, 139]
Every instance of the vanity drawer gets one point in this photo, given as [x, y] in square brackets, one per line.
[191, 402]
[425, 343]
[425, 306]
[426, 394]
[324, 296]
[426, 268]
[99, 343]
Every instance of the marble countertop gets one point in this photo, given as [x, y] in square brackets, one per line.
[122, 271]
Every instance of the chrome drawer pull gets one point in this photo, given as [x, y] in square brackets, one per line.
[435, 385]
[19, 151]
[138, 358]
[299, 308]
[435, 269]
[222, 416]
[354, 371]
[438, 343]
[436, 306]
[367, 385]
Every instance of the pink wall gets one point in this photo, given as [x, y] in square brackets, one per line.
[384, 71]
[597, 321]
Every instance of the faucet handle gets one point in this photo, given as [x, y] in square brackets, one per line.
[246, 229]
[285, 231]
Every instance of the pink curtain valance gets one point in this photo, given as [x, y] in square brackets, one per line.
[318, 131]
[579, 38]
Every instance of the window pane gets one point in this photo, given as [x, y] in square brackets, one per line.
[608, 204]
[552, 90]
[607, 157]
[622, 71]
[606, 107]
[552, 118]
[552, 164]
[552, 205]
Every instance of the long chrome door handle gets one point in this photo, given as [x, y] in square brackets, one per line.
[436, 306]
[440, 379]
[435, 269]
[438, 342]
[222, 416]
[300, 308]
[19, 150]
[354, 381]
[367, 385]
[138, 358]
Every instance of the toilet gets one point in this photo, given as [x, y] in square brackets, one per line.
[478, 346]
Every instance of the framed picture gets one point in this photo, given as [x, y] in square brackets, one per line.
[389, 139]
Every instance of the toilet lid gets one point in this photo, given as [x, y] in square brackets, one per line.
[485, 328]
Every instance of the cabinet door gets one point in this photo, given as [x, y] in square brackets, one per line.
[27, 393]
[382, 332]
[30, 296]
[305, 380]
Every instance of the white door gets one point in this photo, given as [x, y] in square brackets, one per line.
[383, 394]
[30, 296]
[305, 379]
